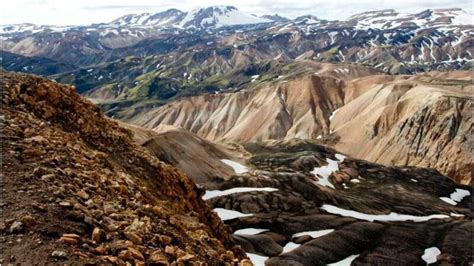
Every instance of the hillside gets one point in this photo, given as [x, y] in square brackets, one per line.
[76, 189]
[423, 121]
[199, 158]
[420, 120]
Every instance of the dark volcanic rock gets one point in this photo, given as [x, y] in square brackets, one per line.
[363, 209]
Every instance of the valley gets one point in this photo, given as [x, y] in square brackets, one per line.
[219, 137]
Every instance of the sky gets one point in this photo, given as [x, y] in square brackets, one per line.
[83, 12]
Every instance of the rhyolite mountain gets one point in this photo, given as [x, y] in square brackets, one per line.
[419, 120]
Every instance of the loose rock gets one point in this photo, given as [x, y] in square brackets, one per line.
[16, 227]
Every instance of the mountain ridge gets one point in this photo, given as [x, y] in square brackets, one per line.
[396, 44]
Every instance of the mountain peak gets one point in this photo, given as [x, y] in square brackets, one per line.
[219, 16]
[131, 19]
[222, 8]
[276, 18]
[373, 14]
[308, 19]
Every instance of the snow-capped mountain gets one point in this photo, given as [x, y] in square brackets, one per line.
[219, 16]
[276, 18]
[389, 19]
[30, 28]
[131, 19]
[201, 18]
[389, 41]
[166, 18]
[308, 19]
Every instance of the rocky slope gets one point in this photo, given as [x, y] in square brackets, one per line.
[420, 120]
[76, 189]
[199, 158]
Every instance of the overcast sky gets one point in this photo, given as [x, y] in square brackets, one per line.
[62, 12]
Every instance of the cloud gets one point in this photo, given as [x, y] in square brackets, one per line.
[95, 11]
[120, 7]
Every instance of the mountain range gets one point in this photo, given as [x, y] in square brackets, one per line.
[387, 40]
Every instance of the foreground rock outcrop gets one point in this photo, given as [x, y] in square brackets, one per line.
[75, 188]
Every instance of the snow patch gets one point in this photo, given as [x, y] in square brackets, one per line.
[225, 214]
[448, 200]
[332, 34]
[314, 234]
[430, 255]
[218, 193]
[257, 260]
[254, 77]
[345, 262]
[324, 172]
[456, 196]
[290, 246]
[250, 231]
[380, 217]
[238, 168]
[459, 194]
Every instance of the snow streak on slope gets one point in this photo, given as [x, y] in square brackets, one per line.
[218, 193]
[238, 168]
[314, 234]
[456, 196]
[250, 231]
[393, 217]
[225, 214]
